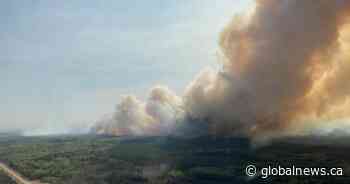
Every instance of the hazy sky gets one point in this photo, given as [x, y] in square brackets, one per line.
[64, 65]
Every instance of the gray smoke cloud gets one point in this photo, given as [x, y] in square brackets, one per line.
[285, 69]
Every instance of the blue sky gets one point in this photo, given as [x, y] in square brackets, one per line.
[65, 64]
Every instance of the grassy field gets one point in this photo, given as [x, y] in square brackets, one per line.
[207, 160]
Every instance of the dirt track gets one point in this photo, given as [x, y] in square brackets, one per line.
[14, 175]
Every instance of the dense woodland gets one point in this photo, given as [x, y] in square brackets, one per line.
[92, 159]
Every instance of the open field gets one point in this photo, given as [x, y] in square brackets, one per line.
[108, 160]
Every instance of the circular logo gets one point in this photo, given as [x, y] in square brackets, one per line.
[250, 170]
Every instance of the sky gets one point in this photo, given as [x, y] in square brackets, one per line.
[63, 65]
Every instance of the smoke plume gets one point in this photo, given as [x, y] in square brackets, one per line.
[157, 116]
[285, 69]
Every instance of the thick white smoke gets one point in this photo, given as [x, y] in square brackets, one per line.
[157, 116]
[286, 67]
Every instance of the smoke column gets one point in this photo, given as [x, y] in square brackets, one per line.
[285, 68]
[157, 116]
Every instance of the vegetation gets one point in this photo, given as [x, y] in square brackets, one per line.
[4, 179]
[109, 160]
